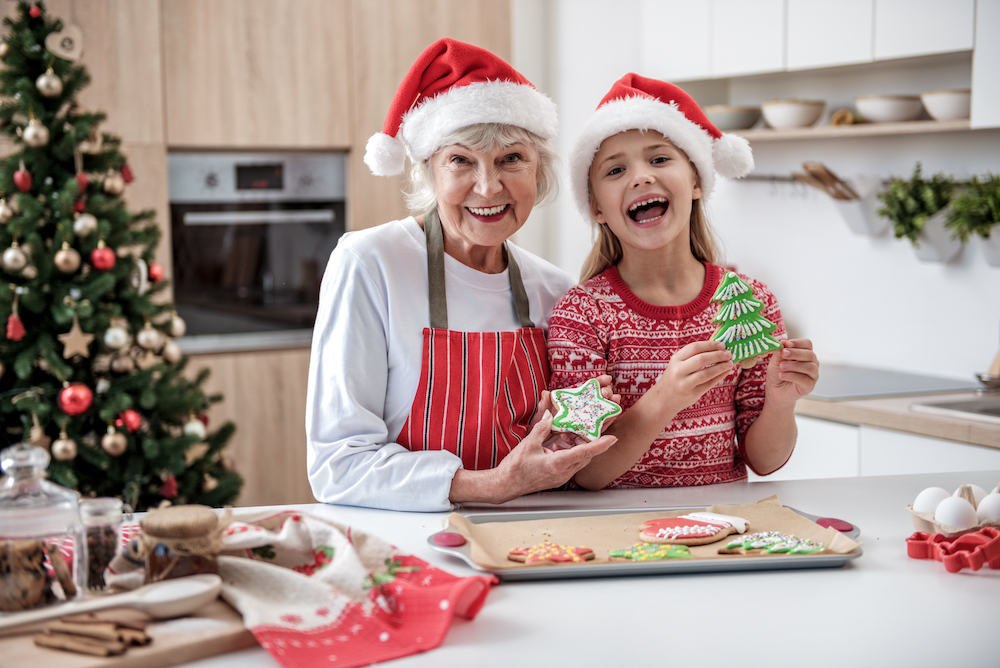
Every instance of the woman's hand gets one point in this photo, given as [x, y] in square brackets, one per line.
[693, 370]
[792, 372]
[530, 467]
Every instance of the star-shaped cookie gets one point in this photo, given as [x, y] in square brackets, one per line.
[549, 552]
[76, 341]
[582, 410]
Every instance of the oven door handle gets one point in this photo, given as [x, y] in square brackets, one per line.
[258, 217]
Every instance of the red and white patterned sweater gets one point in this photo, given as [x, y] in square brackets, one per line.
[602, 327]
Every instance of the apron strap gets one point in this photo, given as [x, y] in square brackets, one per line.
[435, 277]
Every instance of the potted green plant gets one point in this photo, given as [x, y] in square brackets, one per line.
[918, 208]
[975, 212]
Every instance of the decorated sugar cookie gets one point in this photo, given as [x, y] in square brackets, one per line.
[652, 552]
[548, 551]
[582, 410]
[771, 542]
[746, 333]
[691, 529]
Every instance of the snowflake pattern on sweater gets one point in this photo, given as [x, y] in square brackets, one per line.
[601, 327]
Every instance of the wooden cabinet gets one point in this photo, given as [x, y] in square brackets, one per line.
[906, 28]
[387, 36]
[257, 73]
[264, 394]
[826, 34]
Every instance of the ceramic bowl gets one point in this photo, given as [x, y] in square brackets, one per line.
[943, 105]
[726, 117]
[889, 108]
[781, 114]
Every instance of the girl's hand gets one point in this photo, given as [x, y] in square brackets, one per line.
[694, 370]
[792, 372]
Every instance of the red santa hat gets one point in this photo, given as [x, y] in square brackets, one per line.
[453, 85]
[639, 103]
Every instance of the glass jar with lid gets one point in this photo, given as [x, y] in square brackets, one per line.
[102, 517]
[43, 558]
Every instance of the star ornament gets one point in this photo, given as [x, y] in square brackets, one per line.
[76, 341]
[582, 410]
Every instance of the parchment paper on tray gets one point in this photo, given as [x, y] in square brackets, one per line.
[491, 541]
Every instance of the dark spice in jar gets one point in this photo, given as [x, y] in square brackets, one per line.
[101, 544]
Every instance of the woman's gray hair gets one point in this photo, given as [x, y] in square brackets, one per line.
[421, 196]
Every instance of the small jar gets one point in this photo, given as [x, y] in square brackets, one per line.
[102, 518]
[43, 558]
[180, 540]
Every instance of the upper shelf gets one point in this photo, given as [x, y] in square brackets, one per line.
[858, 130]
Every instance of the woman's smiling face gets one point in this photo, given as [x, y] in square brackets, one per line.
[642, 187]
[483, 196]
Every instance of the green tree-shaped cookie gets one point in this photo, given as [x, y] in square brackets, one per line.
[746, 333]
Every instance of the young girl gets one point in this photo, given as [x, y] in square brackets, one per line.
[640, 170]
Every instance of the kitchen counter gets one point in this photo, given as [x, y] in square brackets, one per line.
[880, 609]
[895, 413]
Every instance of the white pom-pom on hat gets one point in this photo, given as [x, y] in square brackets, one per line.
[385, 155]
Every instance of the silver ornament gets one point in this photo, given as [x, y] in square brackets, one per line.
[103, 385]
[195, 428]
[48, 84]
[64, 449]
[30, 272]
[115, 338]
[14, 258]
[84, 225]
[35, 134]
[178, 327]
[6, 212]
[114, 184]
[171, 352]
[150, 338]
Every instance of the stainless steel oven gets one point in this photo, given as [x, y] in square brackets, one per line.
[251, 234]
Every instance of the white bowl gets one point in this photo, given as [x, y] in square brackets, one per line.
[945, 105]
[781, 114]
[726, 117]
[889, 108]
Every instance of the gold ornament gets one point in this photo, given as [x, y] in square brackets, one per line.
[123, 364]
[84, 225]
[148, 360]
[209, 483]
[64, 448]
[14, 258]
[150, 338]
[114, 442]
[178, 327]
[36, 134]
[171, 352]
[4, 48]
[114, 183]
[48, 84]
[76, 341]
[37, 435]
[30, 272]
[6, 212]
[67, 259]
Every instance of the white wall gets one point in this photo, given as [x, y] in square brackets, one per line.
[862, 300]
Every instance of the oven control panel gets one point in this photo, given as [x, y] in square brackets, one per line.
[256, 177]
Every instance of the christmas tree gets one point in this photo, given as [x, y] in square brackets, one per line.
[746, 333]
[88, 367]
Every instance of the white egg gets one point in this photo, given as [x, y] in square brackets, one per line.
[977, 493]
[927, 501]
[956, 512]
[989, 507]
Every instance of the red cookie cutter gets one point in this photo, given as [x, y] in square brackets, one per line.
[972, 550]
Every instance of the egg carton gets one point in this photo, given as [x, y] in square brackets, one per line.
[925, 521]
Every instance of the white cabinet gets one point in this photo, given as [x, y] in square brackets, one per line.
[825, 34]
[671, 54]
[906, 28]
[887, 452]
[747, 37]
[985, 65]
[824, 449]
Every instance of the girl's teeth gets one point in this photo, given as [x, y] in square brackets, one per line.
[492, 211]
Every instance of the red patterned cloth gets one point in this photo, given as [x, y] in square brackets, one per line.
[316, 593]
[602, 327]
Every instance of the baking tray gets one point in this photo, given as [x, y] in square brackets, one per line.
[632, 568]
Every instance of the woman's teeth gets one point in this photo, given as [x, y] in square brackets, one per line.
[492, 211]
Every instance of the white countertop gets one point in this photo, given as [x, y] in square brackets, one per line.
[881, 609]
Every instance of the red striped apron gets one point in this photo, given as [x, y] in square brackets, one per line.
[477, 390]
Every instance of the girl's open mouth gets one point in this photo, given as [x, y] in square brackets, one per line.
[490, 214]
[648, 210]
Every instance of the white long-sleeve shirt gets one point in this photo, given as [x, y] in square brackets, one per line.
[366, 357]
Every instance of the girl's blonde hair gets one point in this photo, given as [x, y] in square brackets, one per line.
[607, 250]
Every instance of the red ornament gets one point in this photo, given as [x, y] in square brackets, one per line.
[22, 179]
[15, 328]
[75, 399]
[102, 258]
[169, 488]
[79, 206]
[130, 419]
[34, 12]
[82, 179]
[156, 272]
[204, 418]
[127, 174]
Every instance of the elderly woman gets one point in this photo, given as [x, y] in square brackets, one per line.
[428, 370]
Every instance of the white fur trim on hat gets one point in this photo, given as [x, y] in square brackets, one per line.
[385, 155]
[426, 126]
[643, 113]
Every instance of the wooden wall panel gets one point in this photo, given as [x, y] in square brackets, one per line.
[264, 394]
[257, 73]
[388, 35]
